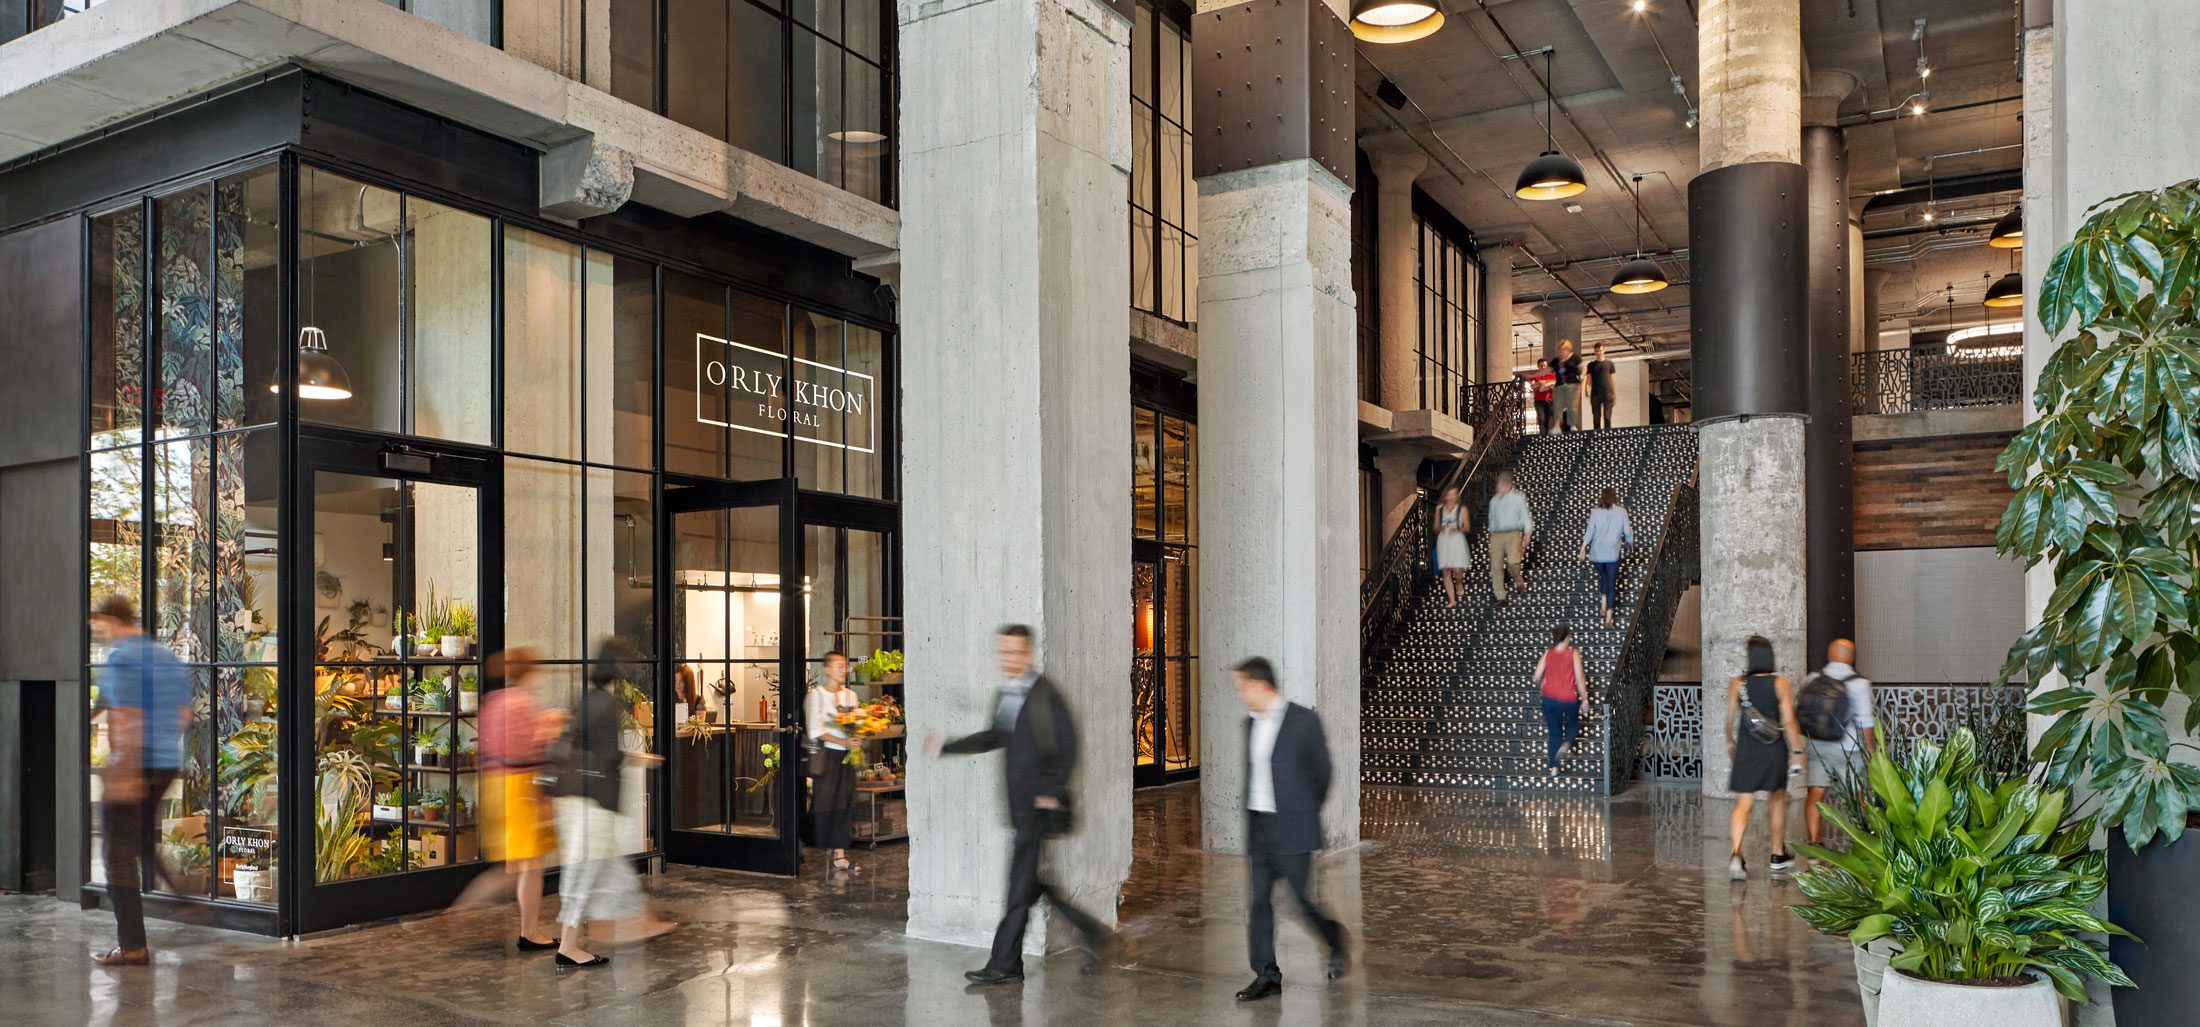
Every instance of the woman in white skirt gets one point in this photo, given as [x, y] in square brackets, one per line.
[1451, 545]
[599, 882]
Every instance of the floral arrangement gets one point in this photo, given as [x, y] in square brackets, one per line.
[879, 718]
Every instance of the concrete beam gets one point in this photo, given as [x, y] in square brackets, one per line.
[585, 178]
[120, 60]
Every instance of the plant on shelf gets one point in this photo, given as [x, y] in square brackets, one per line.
[432, 804]
[460, 621]
[245, 762]
[467, 690]
[1977, 875]
[880, 664]
[338, 843]
[426, 747]
[462, 755]
[432, 695]
[2106, 481]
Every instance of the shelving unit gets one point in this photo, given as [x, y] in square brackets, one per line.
[882, 814]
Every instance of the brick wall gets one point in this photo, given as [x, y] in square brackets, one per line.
[1930, 493]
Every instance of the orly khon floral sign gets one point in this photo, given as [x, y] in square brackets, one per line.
[744, 388]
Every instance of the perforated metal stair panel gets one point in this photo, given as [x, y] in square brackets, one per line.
[1452, 704]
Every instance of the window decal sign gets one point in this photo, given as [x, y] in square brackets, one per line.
[744, 388]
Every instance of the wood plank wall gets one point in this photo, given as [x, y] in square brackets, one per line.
[1930, 493]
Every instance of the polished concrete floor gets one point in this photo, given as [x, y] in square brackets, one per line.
[1468, 909]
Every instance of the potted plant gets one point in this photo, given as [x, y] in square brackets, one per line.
[431, 807]
[1978, 878]
[387, 806]
[459, 629]
[449, 751]
[425, 753]
[469, 694]
[432, 695]
[883, 666]
[2106, 480]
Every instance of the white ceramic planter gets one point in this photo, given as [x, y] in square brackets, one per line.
[1906, 1001]
[469, 702]
[454, 647]
[1871, 969]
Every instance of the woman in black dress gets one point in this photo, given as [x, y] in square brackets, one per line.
[1760, 765]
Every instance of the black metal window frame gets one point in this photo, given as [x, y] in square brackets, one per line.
[1367, 282]
[1156, 134]
[661, 76]
[1447, 278]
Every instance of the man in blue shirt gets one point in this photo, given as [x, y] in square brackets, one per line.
[145, 705]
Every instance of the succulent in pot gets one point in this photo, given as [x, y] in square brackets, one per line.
[1978, 876]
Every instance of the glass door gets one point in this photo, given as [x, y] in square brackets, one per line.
[736, 625]
[399, 567]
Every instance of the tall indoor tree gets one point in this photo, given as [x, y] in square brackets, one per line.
[2108, 489]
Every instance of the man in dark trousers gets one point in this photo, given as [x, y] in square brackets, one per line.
[1032, 723]
[145, 705]
[1287, 776]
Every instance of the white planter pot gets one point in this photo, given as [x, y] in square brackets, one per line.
[1906, 1001]
[1871, 969]
[469, 702]
[454, 647]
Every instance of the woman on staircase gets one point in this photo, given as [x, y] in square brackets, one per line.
[1558, 676]
[1601, 544]
[1451, 545]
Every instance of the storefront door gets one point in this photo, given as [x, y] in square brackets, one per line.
[395, 594]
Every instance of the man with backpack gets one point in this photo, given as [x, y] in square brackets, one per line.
[1834, 709]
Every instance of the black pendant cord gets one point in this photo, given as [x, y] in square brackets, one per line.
[1550, 89]
[1638, 217]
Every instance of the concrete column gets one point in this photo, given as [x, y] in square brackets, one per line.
[1867, 327]
[1398, 248]
[1630, 393]
[1278, 575]
[1749, 297]
[1561, 323]
[1399, 467]
[1497, 312]
[1832, 553]
[1016, 394]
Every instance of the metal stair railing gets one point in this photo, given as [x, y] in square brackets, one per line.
[1673, 565]
[1496, 415]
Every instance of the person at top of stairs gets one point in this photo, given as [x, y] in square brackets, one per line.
[1451, 545]
[1511, 526]
[1558, 676]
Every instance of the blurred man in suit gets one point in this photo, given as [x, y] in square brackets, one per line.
[1032, 723]
[1287, 776]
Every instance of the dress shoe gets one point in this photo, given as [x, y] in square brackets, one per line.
[1261, 988]
[526, 945]
[992, 976]
[123, 957]
[1340, 958]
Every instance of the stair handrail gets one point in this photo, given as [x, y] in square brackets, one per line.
[1497, 417]
[1673, 562]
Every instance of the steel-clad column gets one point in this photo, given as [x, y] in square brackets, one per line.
[1826, 471]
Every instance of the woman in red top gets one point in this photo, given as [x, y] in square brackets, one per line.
[1541, 382]
[1558, 674]
[514, 734]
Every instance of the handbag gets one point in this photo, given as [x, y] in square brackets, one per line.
[1760, 727]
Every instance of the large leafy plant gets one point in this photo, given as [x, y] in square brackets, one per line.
[2107, 481]
[1975, 873]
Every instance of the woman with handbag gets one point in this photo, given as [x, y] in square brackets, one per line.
[832, 780]
[1760, 723]
[599, 883]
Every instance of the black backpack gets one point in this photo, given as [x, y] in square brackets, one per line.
[1822, 707]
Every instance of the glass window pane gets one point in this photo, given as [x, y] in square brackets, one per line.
[1143, 289]
[1171, 71]
[1172, 272]
[864, 127]
[816, 107]
[866, 445]
[1175, 472]
[117, 306]
[543, 586]
[117, 530]
[757, 395]
[1191, 279]
[248, 796]
[1142, 146]
[246, 542]
[543, 375]
[1142, 55]
[249, 345]
[754, 93]
[725, 381]
[1145, 458]
[182, 548]
[622, 569]
[348, 287]
[863, 21]
[624, 434]
[697, 67]
[184, 331]
[474, 19]
[1169, 179]
[450, 307]
[820, 401]
[726, 621]
[695, 408]
[634, 53]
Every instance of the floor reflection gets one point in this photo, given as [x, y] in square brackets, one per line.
[1469, 908]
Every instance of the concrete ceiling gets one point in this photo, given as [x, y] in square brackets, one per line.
[1481, 118]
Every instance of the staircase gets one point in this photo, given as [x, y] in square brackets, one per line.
[1446, 695]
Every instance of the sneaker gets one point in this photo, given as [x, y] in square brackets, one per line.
[1736, 869]
[1782, 861]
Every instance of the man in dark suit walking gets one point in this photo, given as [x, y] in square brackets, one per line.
[1032, 723]
[1287, 776]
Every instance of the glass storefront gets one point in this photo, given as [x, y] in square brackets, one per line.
[348, 436]
[1164, 594]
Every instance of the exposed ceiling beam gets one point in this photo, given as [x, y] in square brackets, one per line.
[2006, 181]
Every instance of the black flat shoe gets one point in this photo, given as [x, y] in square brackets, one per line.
[1340, 960]
[1261, 988]
[992, 976]
[566, 961]
[535, 946]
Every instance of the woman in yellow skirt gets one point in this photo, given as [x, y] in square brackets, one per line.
[516, 829]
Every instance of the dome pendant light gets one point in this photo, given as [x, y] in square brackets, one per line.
[1641, 274]
[1553, 175]
[319, 375]
[1395, 21]
[2007, 291]
[2008, 233]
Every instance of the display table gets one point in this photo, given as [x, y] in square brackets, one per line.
[881, 814]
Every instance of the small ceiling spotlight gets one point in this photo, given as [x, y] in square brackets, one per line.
[1572, 207]
[1641, 6]
[1691, 117]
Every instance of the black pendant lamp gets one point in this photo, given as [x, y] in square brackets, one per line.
[1641, 274]
[2008, 233]
[2007, 291]
[1552, 176]
[319, 375]
[1395, 21]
